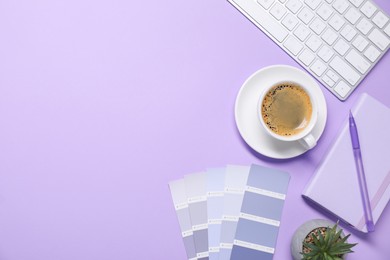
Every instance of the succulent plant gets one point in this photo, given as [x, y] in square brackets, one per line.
[326, 244]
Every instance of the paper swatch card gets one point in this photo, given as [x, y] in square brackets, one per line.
[215, 192]
[235, 183]
[195, 186]
[179, 199]
[261, 211]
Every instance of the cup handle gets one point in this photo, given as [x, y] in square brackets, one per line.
[308, 141]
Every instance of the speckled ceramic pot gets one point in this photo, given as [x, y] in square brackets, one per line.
[301, 233]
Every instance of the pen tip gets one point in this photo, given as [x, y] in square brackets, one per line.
[350, 113]
[370, 226]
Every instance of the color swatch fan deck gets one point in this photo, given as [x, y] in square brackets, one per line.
[232, 212]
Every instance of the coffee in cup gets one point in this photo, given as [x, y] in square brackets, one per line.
[286, 109]
[288, 112]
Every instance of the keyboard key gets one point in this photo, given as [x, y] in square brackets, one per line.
[266, 3]
[306, 57]
[282, 1]
[336, 22]
[317, 26]
[305, 15]
[340, 6]
[290, 21]
[302, 32]
[329, 36]
[329, 1]
[294, 5]
[325, 53]
[372, 53]
[328, 81]
[344, 70]
[352, 15]
[379, 39]
[368, 9]
[356, 3]
[318, 68]
[313, 4]
[360, 43]
[314, 43]
[324, 11]
[380, 19]
[332, 75]
[348, 32]
[342, 89]
[260, 16]
[387, 29]
[364, 25]
[293, 45]
[341, 47]
[356, 60]
[278, 11]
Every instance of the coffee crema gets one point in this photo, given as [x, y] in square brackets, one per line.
[286, 109]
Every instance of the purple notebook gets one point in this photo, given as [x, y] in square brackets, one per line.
[335, 187]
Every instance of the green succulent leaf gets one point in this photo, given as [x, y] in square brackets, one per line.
[320, 237]
[315, 240]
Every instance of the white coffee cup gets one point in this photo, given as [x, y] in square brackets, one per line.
[305, 137]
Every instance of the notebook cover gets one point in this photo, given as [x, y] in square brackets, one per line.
[335, 187]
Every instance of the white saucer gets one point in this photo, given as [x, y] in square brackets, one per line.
[246, 114]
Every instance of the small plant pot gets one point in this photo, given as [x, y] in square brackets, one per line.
[302, 232]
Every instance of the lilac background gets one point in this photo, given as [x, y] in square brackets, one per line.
[103, 102]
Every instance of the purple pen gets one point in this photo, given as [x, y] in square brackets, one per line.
[360, 172]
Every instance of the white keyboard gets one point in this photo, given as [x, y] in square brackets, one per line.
[337, 41]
